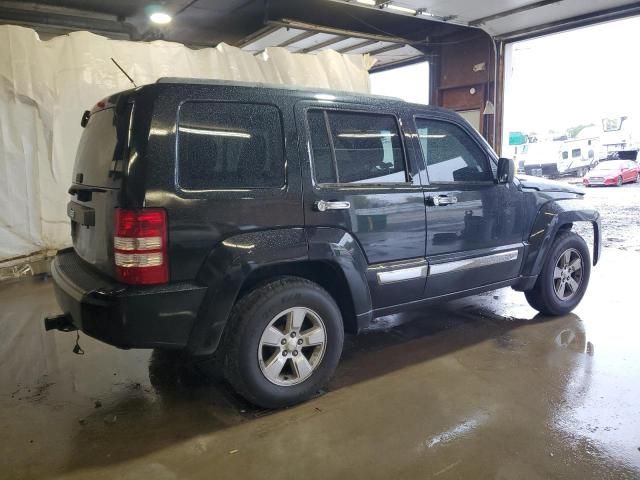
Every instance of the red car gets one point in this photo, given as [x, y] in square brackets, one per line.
[612, 172]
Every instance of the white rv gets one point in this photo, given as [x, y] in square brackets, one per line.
[617, 134]
[578, 155]
[540, 158]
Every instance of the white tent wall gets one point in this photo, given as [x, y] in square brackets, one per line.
[46, 85]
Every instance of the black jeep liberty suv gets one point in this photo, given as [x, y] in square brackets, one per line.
[261, 223]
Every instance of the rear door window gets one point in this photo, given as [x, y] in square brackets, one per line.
[356, 147]
[229, 145]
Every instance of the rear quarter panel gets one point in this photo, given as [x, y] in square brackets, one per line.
[200, 220]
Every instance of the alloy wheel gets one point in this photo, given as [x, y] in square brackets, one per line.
[292, 346]
[567, 274]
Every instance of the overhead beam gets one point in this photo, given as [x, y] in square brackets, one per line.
[397, 64]
[297, 38]
[388, 48]
[320, 45]
[357, 45]
[68, 22]
[615, 13]
[513, 11]
[255, 36]
[288, 23]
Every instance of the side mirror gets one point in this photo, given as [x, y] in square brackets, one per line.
[506, 170]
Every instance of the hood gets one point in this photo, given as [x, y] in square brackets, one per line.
[544, 185]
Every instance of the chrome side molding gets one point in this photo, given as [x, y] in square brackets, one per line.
[412, 270]
[476, 262]
[402, 274]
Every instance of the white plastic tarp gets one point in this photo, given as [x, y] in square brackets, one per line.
[46, 85]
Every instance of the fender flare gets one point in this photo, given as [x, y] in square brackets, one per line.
[551, 218]
[340, 247]
[232, 261]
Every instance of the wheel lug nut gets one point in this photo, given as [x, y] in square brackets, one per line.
[293, 334]
[295, 353]
[283, 341]
[284, 354]
[300, 341]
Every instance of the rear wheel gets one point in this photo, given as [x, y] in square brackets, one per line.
[619, 182]
[283, 342]
[564, 277]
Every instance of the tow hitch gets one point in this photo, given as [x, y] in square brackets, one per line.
[59, 322]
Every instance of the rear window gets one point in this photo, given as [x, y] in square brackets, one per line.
[101, 153]
[229, 145]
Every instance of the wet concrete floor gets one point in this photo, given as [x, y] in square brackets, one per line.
[477, 388]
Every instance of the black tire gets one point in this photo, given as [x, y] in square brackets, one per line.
[542, 296]
[619, 182]
[248, 320]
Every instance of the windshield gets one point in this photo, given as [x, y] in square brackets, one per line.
[610, 165]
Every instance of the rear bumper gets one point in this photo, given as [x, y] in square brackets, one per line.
[121, 315]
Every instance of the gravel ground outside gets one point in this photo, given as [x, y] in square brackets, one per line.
[620, 210]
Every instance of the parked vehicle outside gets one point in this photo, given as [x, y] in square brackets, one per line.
[258, 225]
[540, 158]
[612, 173]
[555, 159]
[618, 133]
[577, 156]
[623, 155]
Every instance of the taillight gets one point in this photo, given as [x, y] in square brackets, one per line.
[140, 246]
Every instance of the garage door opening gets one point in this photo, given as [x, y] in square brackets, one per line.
[571, 99]
[410, 83]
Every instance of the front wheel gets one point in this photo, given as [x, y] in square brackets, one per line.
[564, 277]
[619, 182]
[283, 342]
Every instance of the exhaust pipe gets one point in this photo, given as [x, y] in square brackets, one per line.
[59, 322]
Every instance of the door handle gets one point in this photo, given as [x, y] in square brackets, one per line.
[441, 200]
[323, 205]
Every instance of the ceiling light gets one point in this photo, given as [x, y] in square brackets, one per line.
[160, 18]
[398, 8]
[367, 2]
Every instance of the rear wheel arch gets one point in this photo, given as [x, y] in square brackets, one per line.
[240, 262]
[324, 273]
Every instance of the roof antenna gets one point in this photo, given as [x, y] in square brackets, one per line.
[125, 73]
